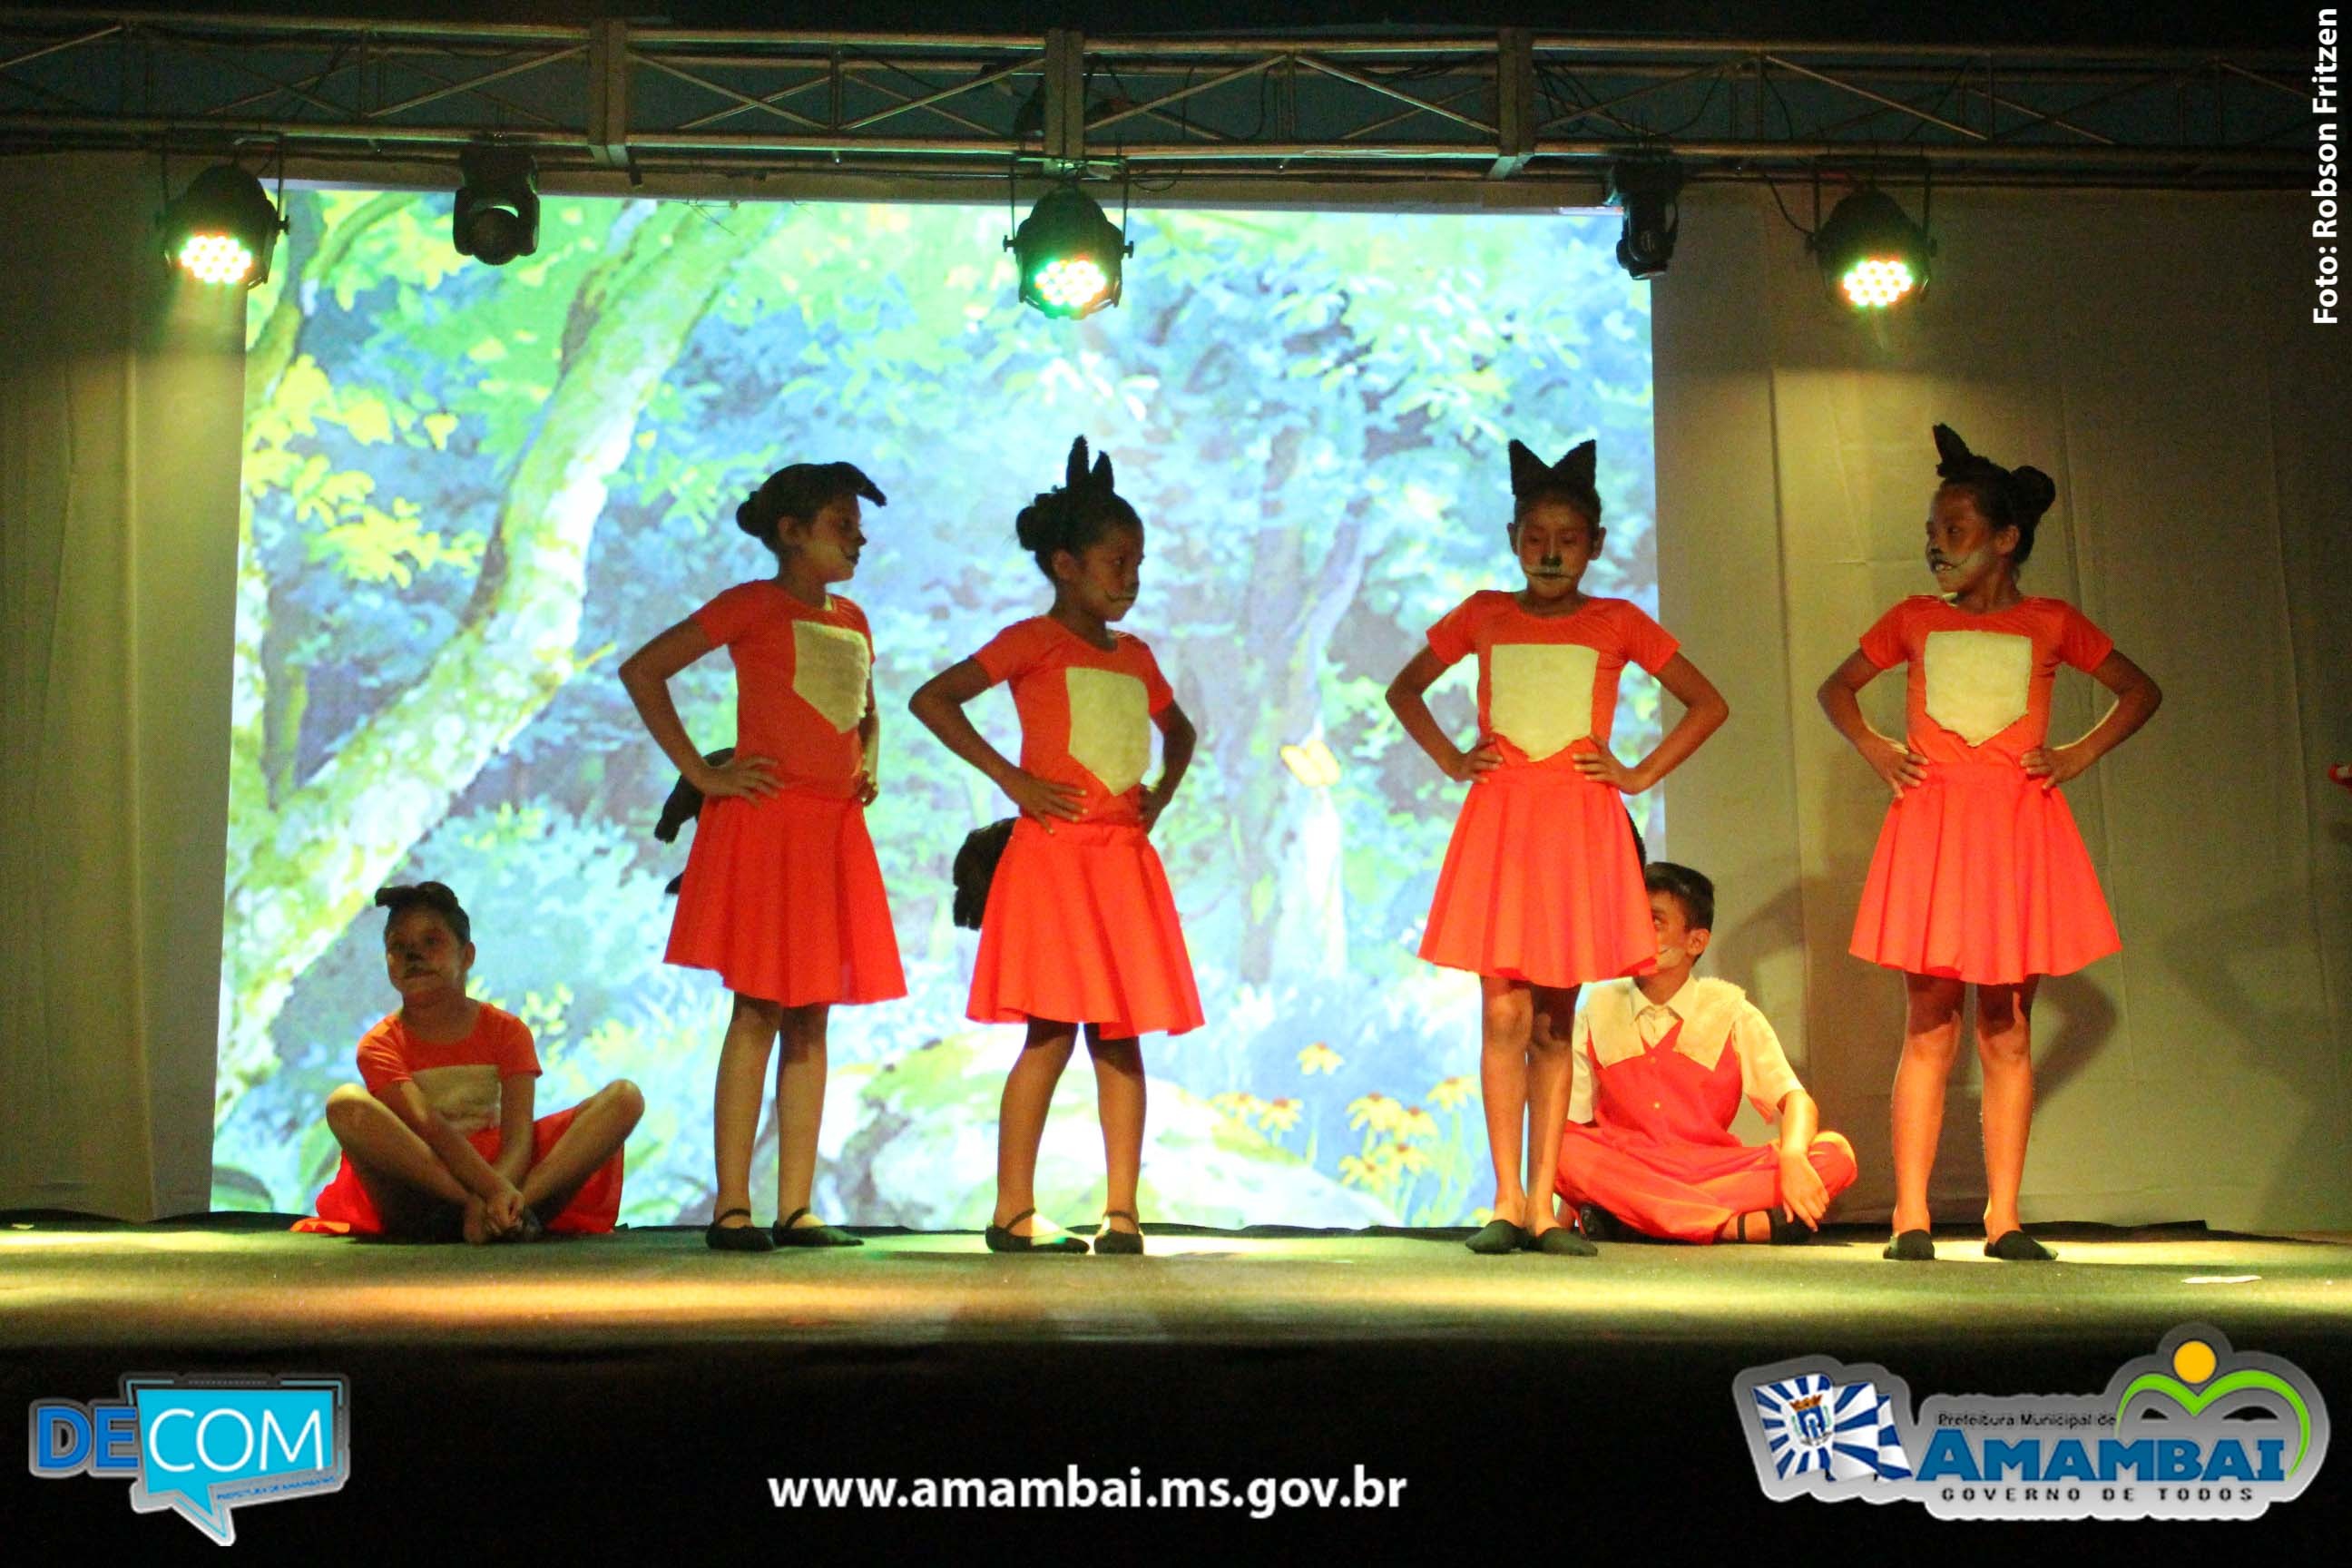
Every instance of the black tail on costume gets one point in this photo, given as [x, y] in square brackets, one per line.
[684, 805]
[975, 870]
[1641, 850]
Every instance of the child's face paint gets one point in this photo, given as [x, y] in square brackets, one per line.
[1964, 551]
[829, 543]
[1678, 946]
[424, 958]
[1103, 579]
[1555, 543]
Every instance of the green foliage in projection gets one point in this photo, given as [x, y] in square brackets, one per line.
[469, 492]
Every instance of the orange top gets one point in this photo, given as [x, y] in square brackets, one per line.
[1547, 684]
[1085, 711]
[459, 1078]
[1980, 684]
[800, 679]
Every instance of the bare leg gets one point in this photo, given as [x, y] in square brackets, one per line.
[1021, 1120]
[2004, 1047]
[412, 1189]
[1119, 1097]
[1931, 1037]
[1505, 1025]
[1549, 1061]
[742, 1087]
[799, 1105]
[598, 1127]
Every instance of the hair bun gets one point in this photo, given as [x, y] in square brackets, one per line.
[749, 519]
[2033, 489]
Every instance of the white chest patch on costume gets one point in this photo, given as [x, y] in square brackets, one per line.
[1977, 682]
[829, 669]
[465, 1097]
[1110, 726]
[1539, 695]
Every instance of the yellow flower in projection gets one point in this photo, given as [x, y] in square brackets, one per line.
[1281, 1115]
[1454, 1091]
[1318, 1057]
[1417, 1123]
[1377, 1112]
[1358, 1173]
[1237, 1104]
[1412, 1157]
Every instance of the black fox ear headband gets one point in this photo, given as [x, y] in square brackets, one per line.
[2028, 490]
[1574, 470]
[1079, 480]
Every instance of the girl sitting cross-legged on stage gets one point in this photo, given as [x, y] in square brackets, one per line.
[782, 894]
[442, 1144]
[1080, 926]
[1981, 878]
[1541, 889]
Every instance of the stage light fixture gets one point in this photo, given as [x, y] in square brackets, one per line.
[496, 215]
[223, 229]
[1871, 252]
[1069, 254]
[1646, 189]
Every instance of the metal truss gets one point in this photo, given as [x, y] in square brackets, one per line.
[1488, 121]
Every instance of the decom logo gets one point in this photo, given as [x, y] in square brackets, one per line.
[2196, 1431]
[202, 1446]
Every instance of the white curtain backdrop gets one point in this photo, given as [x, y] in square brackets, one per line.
[119, 408]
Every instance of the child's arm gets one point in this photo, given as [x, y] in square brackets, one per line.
[1802, 1195]
[646, 674]
[1703, 711]
[2137, 698]
[1177, 739]
[939, 705]
[457, 1154]
[1891, 760]
[1412, 709]
[869, 740]
[516, 1095]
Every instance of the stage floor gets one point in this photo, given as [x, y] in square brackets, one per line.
[575, 1367]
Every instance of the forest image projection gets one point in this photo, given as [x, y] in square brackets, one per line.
[469, 492]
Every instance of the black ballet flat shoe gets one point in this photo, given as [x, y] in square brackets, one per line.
[722, 1237]
[1911, 1246]
[2016, 1247]
[1109, 1243]
[1561, 1241]
[786, 1234]
[1788, 1232]
[1496, 1238]
[1000, 1238]
[1599, 1224]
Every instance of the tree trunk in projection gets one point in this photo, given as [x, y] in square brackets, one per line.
[1289, 841]
[300, 869]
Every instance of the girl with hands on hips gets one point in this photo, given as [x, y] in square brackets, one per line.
[782, 894]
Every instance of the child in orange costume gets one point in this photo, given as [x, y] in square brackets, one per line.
[782, 895]
[1980, 877]
[1541, 890]
[1661, 1061]
[1079, 926]
[442, 1144]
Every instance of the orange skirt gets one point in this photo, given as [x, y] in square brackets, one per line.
[1541, 884]
[785, 899]
[1081, 929]
[1981, 875]
[593, 1210]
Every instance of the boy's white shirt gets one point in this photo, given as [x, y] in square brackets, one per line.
[1617, 1022]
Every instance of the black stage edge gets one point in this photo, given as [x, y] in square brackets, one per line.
[629, 1395]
